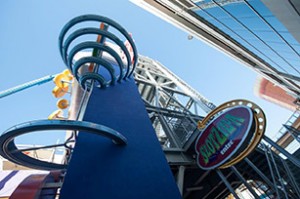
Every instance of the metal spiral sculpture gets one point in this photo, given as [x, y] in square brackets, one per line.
[114, 71]
[70, 37]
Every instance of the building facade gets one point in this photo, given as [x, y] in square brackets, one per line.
[264, 35]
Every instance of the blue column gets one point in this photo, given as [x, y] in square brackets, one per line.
[101, 169]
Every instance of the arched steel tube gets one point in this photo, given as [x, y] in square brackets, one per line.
[96, 31]
[10, 151]
[96, 60]
[101, 47]
[64, 44]
[92, 76]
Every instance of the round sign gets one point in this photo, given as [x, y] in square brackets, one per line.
[223, 137]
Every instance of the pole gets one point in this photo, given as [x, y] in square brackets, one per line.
[292, 158]
[227, 183]
[239, 175]
[26, 85]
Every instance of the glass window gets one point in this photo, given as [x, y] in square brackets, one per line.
[240, 10]
[296, 47]
[289, 38]
[295, 63]
[260, 7]
[275, 23]
[246, 27]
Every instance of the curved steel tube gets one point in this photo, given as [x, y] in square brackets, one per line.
[96, 31]
[96, 60]
[87, 45]
[10, 151]
[98, 18]
[64, 44]
[94, 76]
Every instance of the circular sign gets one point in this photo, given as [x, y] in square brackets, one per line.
[223, 137]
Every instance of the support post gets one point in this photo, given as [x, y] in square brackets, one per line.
[291, 177]
[261, 174]
[292, 158]
[229, 187]
[278, 174]
[180, 179]
[271, 171]
[239, 175]
[101, 169]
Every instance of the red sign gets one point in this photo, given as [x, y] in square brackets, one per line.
[223, 137]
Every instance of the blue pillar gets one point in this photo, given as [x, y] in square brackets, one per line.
[101, 169]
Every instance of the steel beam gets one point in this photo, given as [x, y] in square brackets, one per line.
[180, 179]
[170, 113]
[260, 173]
[292, 158]
[239, 175]
[168, 131]
[225, 181]
[176, 156]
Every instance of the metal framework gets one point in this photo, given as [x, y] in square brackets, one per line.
[172, 104]
[174, 109]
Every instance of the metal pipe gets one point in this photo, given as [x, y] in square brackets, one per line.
[278, 173]
[292, 158]
[168, 131]
[188, 192]
[271, 170]
[180, 179]
[260, 173]
[239, 175]
[215, 188]
[26, 85]
[227, 183]
[291, 177]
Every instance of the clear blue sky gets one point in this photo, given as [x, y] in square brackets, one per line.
[29, 50]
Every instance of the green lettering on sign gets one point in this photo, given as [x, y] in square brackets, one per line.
[204, 154]
[237, 121]
[219, 136]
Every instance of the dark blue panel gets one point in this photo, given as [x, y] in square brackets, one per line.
[101, 169]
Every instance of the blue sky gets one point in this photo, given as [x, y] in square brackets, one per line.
[29, 50]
